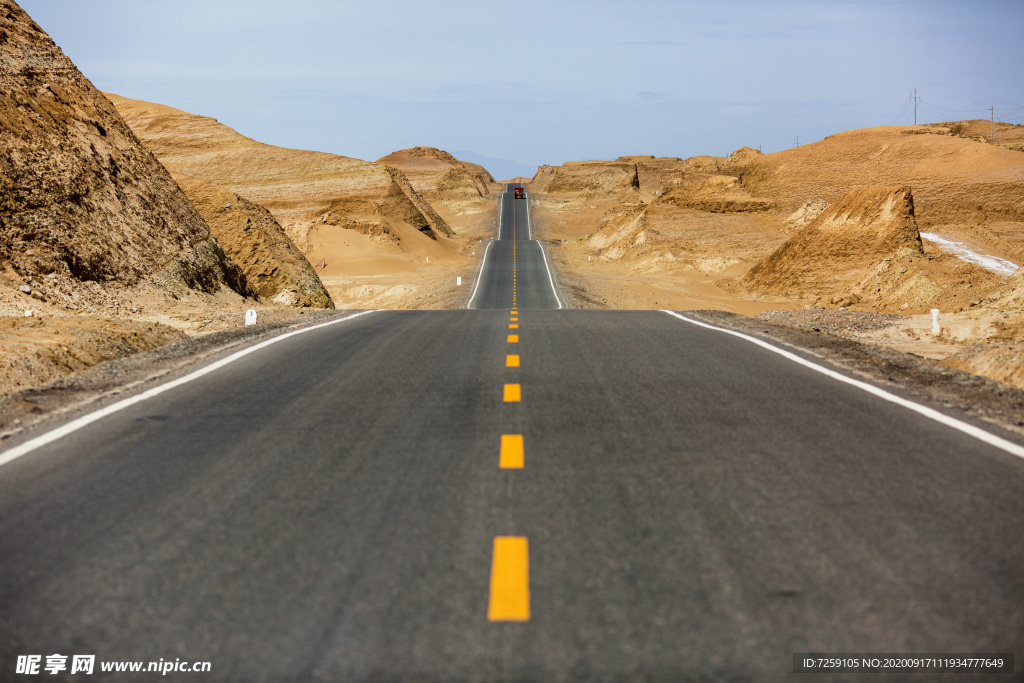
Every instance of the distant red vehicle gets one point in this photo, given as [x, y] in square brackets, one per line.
[519, 193]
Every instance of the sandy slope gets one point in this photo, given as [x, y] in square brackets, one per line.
[954, 179]
[363, 225]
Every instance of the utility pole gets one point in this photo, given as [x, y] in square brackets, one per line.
[915, 105]
[796, 142]
[992, 140]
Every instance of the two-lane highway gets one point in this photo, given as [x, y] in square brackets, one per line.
[514, 265]
[438, 495]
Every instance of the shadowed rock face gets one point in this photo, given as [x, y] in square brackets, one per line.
[81, 199]
[272, 264]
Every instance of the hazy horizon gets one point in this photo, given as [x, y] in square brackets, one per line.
[542, 83]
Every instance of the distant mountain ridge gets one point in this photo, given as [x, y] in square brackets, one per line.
[501, 169]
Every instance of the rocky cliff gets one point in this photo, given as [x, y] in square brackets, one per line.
[87, 214]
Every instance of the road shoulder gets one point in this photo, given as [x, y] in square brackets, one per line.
[910, 375]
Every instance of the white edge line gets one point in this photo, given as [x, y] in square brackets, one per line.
[969, 429]
[529, 221]
[529, 227]
[480, 275]
[501, 212]
[550, 279]
[60, 432]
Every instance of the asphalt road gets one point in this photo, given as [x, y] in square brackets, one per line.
[692, 506]
[514, 258]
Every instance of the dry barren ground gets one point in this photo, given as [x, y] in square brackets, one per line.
[698, 252]
[368, 278]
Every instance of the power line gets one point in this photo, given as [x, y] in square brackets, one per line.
[899, 117]
[1013, 112]
[955, 111]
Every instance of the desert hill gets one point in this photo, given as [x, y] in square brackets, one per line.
[714, 194]
[1009, 135]
[272, 264]
[652, 177]
[89, 219]
[856, 233]
[843, 245]
[590, 177]
[693, 228]
[955, 180]
[331, 206]
[440, 177]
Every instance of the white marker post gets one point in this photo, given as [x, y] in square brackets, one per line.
[250, 317]
[458, 281]
[935, 321]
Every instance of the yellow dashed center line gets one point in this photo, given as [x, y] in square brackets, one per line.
[510, 580]
[511, 454]
[512, 393]
[510, 563]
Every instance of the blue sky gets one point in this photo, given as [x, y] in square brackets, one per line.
[547, 82]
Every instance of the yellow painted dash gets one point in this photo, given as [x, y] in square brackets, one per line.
[513, 394]
[510, 580]
[511, 456]
[513, 339]
[513, 326]
[513, 319]
[511, 361]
